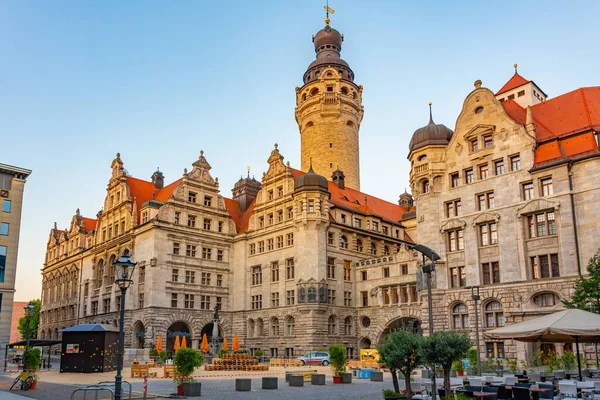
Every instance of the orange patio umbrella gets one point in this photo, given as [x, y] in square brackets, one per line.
[183, 342]
[225, 344]
[176, 345]
[236, 342]
[204, 346]
[159, 345]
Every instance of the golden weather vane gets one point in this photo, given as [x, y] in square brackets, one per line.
[327, 11]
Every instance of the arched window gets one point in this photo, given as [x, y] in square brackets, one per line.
[274, 326]
[460, 316]
[345, 91]
[545, 300]
[350, 124]
[359, 245]
[251, 328]
[332, 325]
[259, 328]
[314, 91]
[290, 326]
[422, 157]
[309, 124]
[373, 249]
[425, 186]
[386, 250]
[348, 326]
[99, 274]
[494, 316]
[343, 242]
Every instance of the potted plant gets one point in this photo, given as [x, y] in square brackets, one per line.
[459, 367]
[186, 360]
[32, 359]
[259, 353]
[389, 394]
[337, 356]
[162, 356]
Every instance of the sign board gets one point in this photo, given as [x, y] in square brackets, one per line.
[72, 348]
[369, 355]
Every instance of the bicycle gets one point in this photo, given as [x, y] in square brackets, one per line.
[26, 379]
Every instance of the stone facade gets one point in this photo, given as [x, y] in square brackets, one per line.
[12, 185]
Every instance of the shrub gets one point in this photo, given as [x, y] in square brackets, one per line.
[32, 359]
[185, 361]
[259, 353]
[222, 352]
[511, 363]
[337, 355]
[162, 356]
[458, 366]
[153, 353]
[390, 394]
[472, 357]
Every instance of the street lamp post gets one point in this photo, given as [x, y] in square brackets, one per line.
[29, 313]
[124, 269]
[475, 296]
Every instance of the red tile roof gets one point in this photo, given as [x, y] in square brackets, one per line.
[89, 224]
[513, 83]
[142, 191]
[563, 124]
[346, 198]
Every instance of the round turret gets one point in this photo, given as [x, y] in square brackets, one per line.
[311, 181]
[430, 134]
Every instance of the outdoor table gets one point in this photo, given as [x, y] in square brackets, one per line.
[484, 394]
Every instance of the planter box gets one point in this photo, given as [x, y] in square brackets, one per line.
[376, 376]
[269, 382]
[337, 379]
[296, 380]
[243, 385]
[192, 388]
[317, 379]
[346, 378]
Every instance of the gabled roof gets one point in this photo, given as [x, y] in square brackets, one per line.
[564, 125]
[347, 198]
[514, 82]
[89, 224]
[142, 191]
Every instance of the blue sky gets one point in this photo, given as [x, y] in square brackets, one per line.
[158, 81]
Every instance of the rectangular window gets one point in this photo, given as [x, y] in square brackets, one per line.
[86, 288]
[330, 268]
[275, 299]
[204, 302]
[469, 175]
[404, 294]
[205, 278]
[207, 253]
[173, 300]
[191, 221]
[331, 238]
[357, 222]
[4, 228]
[343, 218]
[521, 93]
[455, 240]
[483, 171]
[280, 216]
[220, 226]
[256, 302]
[206, 224]
[190, 277]
[386, 296]
[347, 271]
[290, 213]
[175, 275]
[207, 201]
[404, 269]
[330, 296]
[488, 234]
[219, 255]
[474, 145]
[279, 242]
[290, 239]
[106, 305]
[279, 191]
[488, 141]
[395, 296]
[191, 197]
[270, 218]
[311, 205]
[363, 275]
[257, 275]
[554, 265]
[188, 301]
[269, 244]
[94, 307]
[364, 298]
[275, 271]
[495, 349]
[190, 251]
[515, 162]
[454, 180]
[252, 249]
[289, 269]
[542, 224]
[141, 274]
[219, 280]
[544, 267]
[535, 274]
[386, 272]
[261, 222]
[458, 277]
[547, 187]
[290, 297]
[261, 246]
[348, 299]
[219, 303]
[511, 97]
[453, 208]
[499, 167]
[6, 206]
[490, 272]
[375, 225]
[176, 248]
[2, 262]
[270, 195]
[485, 201]
[141, 300]
[527, 190]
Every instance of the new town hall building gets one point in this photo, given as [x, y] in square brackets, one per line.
[303, 259]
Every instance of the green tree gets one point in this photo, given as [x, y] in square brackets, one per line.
[587, 288]
[33, 323]
[445, 347]
[402, 351]
[186, 360]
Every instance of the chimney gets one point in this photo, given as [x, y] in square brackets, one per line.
[337, 177]
[158, 179]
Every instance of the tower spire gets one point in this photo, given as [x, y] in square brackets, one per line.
[327, 11]
[430, 115]
[516, 65]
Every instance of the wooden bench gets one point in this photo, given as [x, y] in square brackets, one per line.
[139, 370]
[307, 374]
[169, 370]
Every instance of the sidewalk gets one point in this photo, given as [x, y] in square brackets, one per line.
[11, 396]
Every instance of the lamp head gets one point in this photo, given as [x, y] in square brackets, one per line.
[124, 267]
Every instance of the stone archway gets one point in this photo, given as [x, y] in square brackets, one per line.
[412, 324]
[180, 329]
[139, 335]
[364, 343]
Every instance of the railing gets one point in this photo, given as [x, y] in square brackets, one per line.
[94, 391]
[421, 168]
[330, 98]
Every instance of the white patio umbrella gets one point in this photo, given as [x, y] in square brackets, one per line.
[562, 327]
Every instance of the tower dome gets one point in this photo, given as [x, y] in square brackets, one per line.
[328, 45]
[430, 134]
[311, 181]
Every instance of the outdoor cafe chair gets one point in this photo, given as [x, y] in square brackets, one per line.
[521, 393]
[510, 380]
[567, 389]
